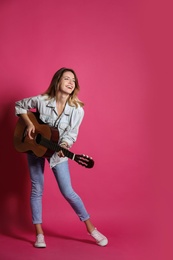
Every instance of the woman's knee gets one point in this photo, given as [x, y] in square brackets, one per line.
[69, 195]
[37, 190]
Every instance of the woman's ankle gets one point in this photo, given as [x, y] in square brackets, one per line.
[38, 229]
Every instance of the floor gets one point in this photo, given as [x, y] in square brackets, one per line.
[128, 242]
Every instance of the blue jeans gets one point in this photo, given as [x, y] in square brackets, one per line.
[62, 175]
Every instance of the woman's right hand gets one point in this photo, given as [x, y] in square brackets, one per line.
[30, 130]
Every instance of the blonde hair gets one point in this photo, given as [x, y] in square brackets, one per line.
[73, 99]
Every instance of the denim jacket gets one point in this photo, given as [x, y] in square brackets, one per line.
[67, 123]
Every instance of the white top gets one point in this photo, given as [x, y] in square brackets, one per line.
[67, 123]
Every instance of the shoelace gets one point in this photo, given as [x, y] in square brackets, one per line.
[40, 239]
[97, 235]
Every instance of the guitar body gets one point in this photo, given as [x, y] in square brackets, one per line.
[44, 142]
[22, 143]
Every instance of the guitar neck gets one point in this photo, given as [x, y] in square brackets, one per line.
[54, 146]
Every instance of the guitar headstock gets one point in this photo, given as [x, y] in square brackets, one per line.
[84, 160]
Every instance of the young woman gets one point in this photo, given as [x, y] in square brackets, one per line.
[58, 107]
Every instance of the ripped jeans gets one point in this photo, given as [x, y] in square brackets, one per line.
[62, 175]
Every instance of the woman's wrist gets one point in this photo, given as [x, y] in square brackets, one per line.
[64, 144]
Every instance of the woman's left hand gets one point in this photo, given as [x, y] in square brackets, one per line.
[63, 145]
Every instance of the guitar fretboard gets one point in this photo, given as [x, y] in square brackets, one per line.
[53, 146]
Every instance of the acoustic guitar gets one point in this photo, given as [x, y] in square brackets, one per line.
[44, 142]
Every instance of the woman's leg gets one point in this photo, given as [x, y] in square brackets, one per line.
[62, 175]
[36, 168]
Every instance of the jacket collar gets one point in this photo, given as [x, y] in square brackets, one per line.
[52, 103]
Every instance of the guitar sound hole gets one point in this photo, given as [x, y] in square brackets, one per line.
[38, 138]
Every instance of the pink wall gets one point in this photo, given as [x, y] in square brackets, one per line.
[117, 49]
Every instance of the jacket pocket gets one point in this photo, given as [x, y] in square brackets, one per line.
[64, 127]
[46, 119]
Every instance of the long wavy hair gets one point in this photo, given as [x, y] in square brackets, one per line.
[54, 84]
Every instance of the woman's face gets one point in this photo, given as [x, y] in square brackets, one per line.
[67, 83]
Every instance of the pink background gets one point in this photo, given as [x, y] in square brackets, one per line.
[121, 52]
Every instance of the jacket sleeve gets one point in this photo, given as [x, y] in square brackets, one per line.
[70, 136]
[22, 106]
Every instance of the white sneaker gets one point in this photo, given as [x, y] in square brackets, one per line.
[101, 240]
[40, 242]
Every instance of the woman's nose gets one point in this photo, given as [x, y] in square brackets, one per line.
[71, 81]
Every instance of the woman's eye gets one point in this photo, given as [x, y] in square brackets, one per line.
[67, 78]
